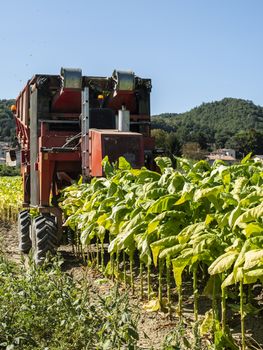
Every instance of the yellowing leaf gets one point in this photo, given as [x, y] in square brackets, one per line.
[253, 227]
[152, 305]
[179, 265]
[207, 324]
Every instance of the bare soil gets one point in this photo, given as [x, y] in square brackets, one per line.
[153, 326]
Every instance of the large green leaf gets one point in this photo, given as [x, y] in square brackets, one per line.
[253, 197]
[246, 158]
[207, 192]
[249, 215]
[234, 215]
[190, 230]
[229, 280]
[171, 252]
[223, 262]
[179, 265]
[253, 228]
[123, 164]
[253, 258]
[163, 163]
[253, 276]
[159, 245]
[162, 204]
[176, 184]
[147, 176]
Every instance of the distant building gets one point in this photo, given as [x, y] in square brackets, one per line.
[227, 155]
[227, 152]
[4, 146]
[10, 162]
[258, 158]
[5, 157]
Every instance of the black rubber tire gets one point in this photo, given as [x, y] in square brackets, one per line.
[44, 237]
[23, 226]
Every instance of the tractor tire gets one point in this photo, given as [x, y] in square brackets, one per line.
[44, 237]
[24, 222]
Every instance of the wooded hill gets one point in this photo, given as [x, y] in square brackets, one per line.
[231, 123]
[7, 123]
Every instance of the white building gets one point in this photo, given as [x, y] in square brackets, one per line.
[5, 157]
[227, 155]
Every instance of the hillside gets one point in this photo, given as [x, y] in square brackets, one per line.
[7, 123]
[225, 123]
[231, 122]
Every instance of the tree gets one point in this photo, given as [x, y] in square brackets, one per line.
[167, 141]
[247, 141]
[214, 123]
[192, 150]
[7, 123]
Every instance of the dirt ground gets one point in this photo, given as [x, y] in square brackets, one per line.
[153, 326]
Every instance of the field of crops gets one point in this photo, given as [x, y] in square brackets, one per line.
[10, 197]
[156, 232]
[199, 221]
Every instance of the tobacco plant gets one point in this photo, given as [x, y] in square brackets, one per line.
[194, 218]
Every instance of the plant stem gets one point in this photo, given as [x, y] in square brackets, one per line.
[102, 255]
[214, 302]
[97, 253]
[124, 270]
[141, 279]
[160, 265]
[112, 266]
[117, 262]
[131, 272]
[87, 254]
[77, 244]
[148, 281]
[180, 302]
[195, 294]
[214, 308]
[242, 315]
[223, 309]
[168, 280]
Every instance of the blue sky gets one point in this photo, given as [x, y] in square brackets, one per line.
[193, 50]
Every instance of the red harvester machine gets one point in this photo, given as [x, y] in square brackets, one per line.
[66, 124]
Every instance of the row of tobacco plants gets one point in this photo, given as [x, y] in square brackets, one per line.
[10, 197]
[198, 220]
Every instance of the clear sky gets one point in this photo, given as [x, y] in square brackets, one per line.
[193, 50]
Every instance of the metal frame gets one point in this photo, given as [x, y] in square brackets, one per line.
[85, 132]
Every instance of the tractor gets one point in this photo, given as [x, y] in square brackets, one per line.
[66, 124]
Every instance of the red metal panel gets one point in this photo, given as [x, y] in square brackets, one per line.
[126, 99]
[67, 101]
[95, 153]
[115, 144]
[51, 162]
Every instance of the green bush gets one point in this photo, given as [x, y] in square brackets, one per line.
[9, 171]
[44, 308]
